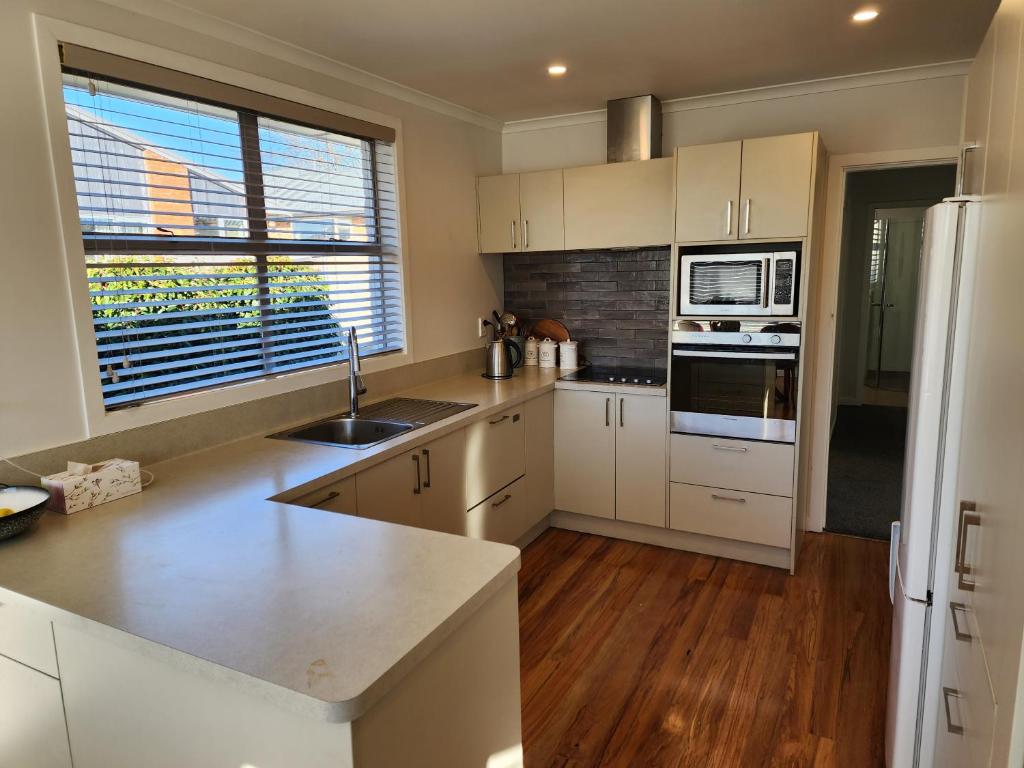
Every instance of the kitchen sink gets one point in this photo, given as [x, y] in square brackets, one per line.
[376, 422]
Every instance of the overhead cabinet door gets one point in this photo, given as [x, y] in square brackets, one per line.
[498, 202]
[540, 202]
[775, 186]
[707, 192]
[619, 205]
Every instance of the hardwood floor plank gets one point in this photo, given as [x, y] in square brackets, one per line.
[634, 655]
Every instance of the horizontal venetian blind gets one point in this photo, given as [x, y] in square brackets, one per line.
[223, 245]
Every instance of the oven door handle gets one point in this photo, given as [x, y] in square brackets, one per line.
[736, 355]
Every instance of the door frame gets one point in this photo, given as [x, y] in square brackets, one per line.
[814, 486]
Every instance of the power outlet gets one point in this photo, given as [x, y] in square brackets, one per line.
[481, 331]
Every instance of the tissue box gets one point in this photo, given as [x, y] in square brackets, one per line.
[84, 485]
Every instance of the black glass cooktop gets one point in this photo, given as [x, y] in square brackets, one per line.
[650, 377]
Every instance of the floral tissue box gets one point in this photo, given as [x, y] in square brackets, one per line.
[86, 485]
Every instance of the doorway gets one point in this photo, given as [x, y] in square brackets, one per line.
[882, 240]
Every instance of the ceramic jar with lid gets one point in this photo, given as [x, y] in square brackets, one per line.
[531, 352]
[567, 357]
[547, 354]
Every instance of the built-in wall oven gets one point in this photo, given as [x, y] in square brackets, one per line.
[749, 280]
[733, 378]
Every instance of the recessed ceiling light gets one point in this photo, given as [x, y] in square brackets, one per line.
[557, 70]
[868, 14]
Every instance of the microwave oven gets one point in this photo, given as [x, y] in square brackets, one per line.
[759, 281]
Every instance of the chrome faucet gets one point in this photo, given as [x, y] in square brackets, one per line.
[355, 380]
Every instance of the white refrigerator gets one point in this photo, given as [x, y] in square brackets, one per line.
[922, 541]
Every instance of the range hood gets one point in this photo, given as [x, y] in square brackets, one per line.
[634, 128]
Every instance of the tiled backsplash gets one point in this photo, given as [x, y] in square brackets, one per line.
[615, 303]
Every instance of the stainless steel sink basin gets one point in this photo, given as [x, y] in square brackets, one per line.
[376, 423]
[349, 432]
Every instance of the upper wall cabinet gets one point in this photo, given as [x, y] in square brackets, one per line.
[520, 212]
[619, 205]
[754, 189]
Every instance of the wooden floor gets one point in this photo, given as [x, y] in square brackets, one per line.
[634, 655]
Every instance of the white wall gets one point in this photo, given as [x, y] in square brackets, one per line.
[920, 107]
[445, 148]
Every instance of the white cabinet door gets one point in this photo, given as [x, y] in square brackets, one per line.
[337, 497]
[392, 490]
[707, 192]
[498, 212]
[540, 203]
[619, 205]
[495, 454]
[585, 452]
[775, 186]
[444, 485]
[32, 730]
[540, 458]
[640, 461]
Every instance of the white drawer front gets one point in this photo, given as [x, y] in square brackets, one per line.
[25, 634]
[502, 517]
[495, 454]
[731, 514]
[742, 465]
[337, 497]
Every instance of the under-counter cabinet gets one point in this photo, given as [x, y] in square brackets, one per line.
[520, 212]
[422, 487]
[610, 455]
[752, 189]
[32, 729]
[495, 454]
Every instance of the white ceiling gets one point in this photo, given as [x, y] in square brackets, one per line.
[492, 56]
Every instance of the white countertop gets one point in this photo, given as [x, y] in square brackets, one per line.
[320, 612]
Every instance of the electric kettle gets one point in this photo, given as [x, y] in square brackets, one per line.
[502, 357]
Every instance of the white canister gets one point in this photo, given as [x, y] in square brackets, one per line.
[547, 354]
[531, 353]
[567, 354]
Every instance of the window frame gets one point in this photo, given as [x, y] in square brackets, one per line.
[98, 420]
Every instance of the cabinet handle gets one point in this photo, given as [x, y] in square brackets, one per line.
[622, 411]
[419, 485]
[325, 499]
[607, 413]
[746, 217]
[426, 453]
[526, 233]
[948, 693]
[734, 448]
[728, 218]
[953, 608]
[737, 499]
[968, 516]
[498, 421]
[513, 234]
[499, 503]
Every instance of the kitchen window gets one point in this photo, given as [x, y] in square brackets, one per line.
[228, 235]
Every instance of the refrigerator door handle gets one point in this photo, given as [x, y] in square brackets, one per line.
[894, 554]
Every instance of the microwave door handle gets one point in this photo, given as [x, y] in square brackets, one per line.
[768, 269]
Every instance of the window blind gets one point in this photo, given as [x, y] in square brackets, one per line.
[222, 244]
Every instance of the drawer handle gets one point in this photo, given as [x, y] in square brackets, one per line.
[325, 499]
[948, 693]
[734, 448]
[498, 421]
[968, 516]
[499, 503]
[953, 609]
[737, 499]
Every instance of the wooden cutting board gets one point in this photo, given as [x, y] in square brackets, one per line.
[549, 329]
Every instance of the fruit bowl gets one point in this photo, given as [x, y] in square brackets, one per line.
[26, 504]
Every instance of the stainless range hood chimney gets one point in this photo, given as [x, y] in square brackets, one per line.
[634, 129]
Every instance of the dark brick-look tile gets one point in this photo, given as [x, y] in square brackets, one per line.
[615, 303]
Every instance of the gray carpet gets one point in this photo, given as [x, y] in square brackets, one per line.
[865, 470]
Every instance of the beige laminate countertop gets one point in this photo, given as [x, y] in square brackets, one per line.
[320, 612]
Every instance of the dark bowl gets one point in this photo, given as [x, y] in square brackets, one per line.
[21, 520]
